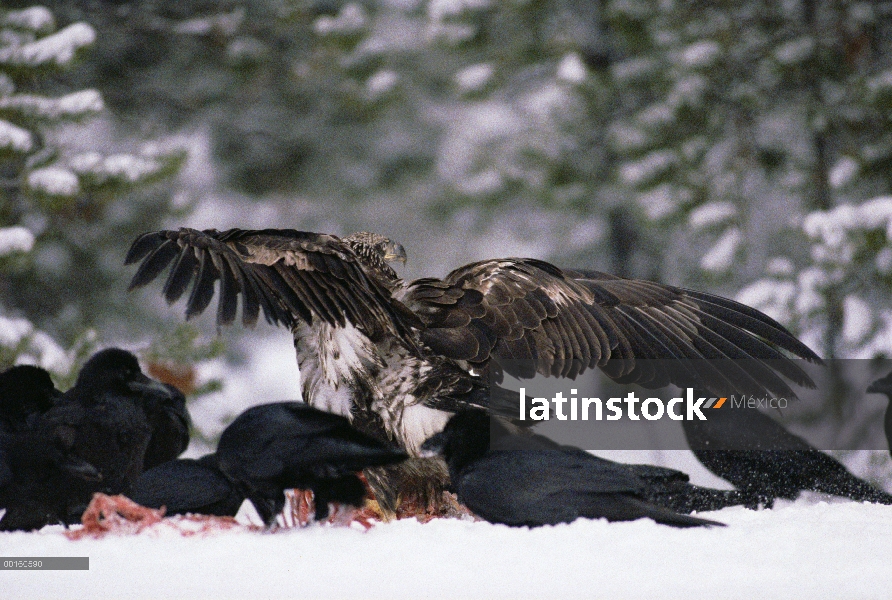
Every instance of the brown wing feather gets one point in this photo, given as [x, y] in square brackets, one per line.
[569, 321]
[289, 275]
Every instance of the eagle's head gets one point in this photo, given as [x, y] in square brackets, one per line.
[376, 251]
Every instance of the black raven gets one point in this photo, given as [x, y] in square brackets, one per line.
[663, 486]
[762, 459]
[37, 472]
[398, 358]
[104, 419]
[169, 421]
[93, 438]
[273, 447]
[524, 482]
[884, 386]
[25, 391]
[188, 486]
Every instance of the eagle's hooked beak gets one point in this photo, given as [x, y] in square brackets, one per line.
[394, 251]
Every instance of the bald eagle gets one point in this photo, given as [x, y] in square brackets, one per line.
[399, 358]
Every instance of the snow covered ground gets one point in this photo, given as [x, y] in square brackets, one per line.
[808, 549]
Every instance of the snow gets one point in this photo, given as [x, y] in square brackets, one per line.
[7, 85]
[857, 320]
[701, 54]
[831, 229]
[438, 10]
[351, 19]
[795, 51]
[15, 239]
[633, 9]
[553, 105]
[694, 148]
[15, 138]
[780, 265]
[571, 69]
[881, 82]
[659, 202]
[459, 160]
[861, 12]
[57, 49]
[33, 346]
[381, 82]
[773, 297]
[649, 167]
[811, 282]
[226, 24]
[688, 91]
[806, 549]
[877, 213]
[450, 33]
[245, 50]
[118, 166]
[626, 138]
[711, 213]
[843, 172]
[54, 181]
[13, 331]
[880, 344]
[480, 184]
[721, 256]
[37, 19]
[471, 79]
[75, 105]
[884, 261]
[546, 103]
[634, 68]
[45, 352]
[656, 115]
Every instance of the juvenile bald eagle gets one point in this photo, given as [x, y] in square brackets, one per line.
[399, 358]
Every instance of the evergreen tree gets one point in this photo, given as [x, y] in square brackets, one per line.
[67, 212]
[744, 117]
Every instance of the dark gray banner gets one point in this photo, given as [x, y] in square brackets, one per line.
[679, 404]
[45, 563]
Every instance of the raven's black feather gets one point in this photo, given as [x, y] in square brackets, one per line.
[273, 447]
[530, 481]
[188, 486]
[761, 458]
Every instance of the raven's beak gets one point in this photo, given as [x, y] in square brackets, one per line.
[394, 251]
[882, 385]
[433, 446]
[145, 385]
[878, 387]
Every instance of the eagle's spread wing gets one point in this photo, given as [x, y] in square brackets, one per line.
[564, 322]
[290, 275]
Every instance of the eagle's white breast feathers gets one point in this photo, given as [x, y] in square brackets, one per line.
[334, 362]
[340, 365]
